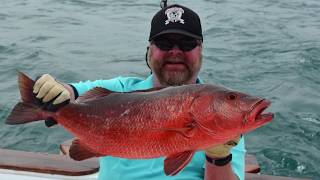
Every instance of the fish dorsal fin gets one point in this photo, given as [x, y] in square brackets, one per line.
[94, 93]
[149, 90]
[173, 164]
[80, 152]
[99, 92]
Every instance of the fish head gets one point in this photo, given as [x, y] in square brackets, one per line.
[256, 115]
[233, 113]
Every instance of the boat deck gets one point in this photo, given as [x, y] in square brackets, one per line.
[24, 165]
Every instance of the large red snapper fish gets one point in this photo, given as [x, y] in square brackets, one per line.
[174, 122]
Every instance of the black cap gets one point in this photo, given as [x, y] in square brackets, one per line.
[176, 19]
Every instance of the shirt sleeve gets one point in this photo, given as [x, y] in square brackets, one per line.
[111, 84]
[238, 159]
[118, 84]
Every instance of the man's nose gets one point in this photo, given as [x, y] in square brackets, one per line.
[175, 50]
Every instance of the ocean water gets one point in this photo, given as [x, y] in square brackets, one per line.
[268, 48]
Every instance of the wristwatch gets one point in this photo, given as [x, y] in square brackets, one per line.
[221, 161]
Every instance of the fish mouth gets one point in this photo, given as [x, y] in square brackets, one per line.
[257, 115]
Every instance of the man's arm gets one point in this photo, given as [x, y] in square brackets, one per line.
[220, 164]
[214, 172]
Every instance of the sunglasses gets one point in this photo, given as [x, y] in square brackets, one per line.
[186, 44]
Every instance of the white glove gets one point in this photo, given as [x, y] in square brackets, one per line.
[222, 150]
[47, 89]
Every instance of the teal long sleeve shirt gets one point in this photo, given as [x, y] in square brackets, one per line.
[113, 168]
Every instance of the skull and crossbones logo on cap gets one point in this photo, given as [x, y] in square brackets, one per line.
[174, 15]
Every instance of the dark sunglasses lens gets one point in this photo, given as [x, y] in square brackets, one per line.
[184, 44]
[188, 45]
[163, 45]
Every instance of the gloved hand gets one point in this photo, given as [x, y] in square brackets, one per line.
[47, 89]
[51, 94]
[222, 150]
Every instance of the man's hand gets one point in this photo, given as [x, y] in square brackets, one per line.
[47, 89]
[222, 150]
[51, 94]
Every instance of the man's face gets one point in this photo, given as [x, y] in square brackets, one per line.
[175, 65]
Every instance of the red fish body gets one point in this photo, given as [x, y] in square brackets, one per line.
[173, 121]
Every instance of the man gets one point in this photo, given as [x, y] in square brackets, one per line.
[174, 56]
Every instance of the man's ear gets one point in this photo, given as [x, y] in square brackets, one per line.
[147, 57]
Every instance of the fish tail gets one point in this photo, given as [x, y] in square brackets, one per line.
[27, 110]
[24, 113]
[26, 88]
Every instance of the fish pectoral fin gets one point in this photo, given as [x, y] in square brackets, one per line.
[210, 132]
[80, 152]
[203, 128]
[187, 132]
[173, 164]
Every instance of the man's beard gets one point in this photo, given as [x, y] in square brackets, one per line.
[167, 77]
[174, 78]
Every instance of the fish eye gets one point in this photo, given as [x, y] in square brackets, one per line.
[231, 96]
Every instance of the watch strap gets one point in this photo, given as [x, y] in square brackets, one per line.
[221, 161]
